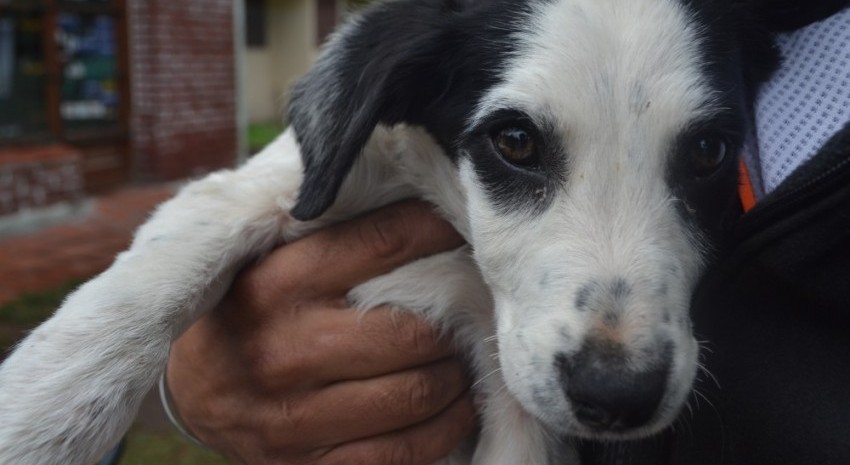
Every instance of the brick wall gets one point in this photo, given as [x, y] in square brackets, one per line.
[183, 81]
[33, 178]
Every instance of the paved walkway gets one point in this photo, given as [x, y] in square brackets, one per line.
[78, 249]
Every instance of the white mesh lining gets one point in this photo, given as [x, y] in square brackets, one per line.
[806, 102]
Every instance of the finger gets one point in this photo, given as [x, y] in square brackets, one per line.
[422, 444]
[335, 259]
[332, 345]
[352, 410]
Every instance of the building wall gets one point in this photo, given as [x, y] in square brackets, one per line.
[293, 41]
[182, 114]
[183, 82]
[290, 50]
[38, 177]
[263, 101]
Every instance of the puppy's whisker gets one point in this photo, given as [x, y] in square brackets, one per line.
[484, 378]
[684, 421]
[705, 398]
[708, 373]
[704, 346]
[495, 394]
[690, 409]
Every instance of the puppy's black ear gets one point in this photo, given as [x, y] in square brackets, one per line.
[383, 67]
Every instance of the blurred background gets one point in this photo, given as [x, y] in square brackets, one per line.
[106, 106]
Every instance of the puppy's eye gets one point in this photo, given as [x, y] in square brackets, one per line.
[706, 155]
[516, 145]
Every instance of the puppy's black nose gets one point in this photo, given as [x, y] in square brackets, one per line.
[608, 395]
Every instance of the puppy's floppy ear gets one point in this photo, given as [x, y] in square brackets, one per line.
[383, 67]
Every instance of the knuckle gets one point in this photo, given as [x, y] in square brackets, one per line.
[421, 336]
[259, 364]
[294, 417]
[385, 234]
[282, 435]
[421, 395]
[401, 452]
[265, 367]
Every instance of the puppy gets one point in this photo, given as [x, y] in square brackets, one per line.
[586, 150]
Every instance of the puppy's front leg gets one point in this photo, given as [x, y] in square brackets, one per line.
[71, 389]
[510, 436]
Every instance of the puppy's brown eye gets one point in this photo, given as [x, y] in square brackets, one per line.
[516, 145]
[706, 155]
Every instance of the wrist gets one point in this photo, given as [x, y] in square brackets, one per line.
[173, 417]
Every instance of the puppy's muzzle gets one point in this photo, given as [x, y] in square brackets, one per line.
[608, 393]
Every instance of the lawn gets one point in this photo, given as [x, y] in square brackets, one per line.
[156, 448]
[145, 445]
[261, 134]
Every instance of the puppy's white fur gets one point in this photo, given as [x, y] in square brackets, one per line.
[619, 91]
[619, 78]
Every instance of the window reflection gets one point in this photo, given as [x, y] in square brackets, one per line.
[7, 56]
[89, 94]
[23, 108]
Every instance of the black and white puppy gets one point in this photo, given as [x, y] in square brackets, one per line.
[586, 149]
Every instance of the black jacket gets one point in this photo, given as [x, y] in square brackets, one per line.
[776, 315]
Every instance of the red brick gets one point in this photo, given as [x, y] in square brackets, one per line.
[38, 177]
[183, 86]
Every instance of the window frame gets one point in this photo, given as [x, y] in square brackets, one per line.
[256, 26]
[327, 19]
[56, 127]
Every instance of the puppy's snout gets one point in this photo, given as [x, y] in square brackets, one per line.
[608, 395]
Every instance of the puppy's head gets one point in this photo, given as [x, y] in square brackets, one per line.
[597, 143]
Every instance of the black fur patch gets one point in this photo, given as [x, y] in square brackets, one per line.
[428, 62]
[514, 188]
[421, 62]
[738, 56]
[583, 297]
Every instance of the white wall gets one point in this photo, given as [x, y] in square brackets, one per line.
[290, 50]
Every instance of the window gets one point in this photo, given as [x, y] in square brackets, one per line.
[62, 70]
[255, 23]
[327, 12]
[23, 106]
[89, 91]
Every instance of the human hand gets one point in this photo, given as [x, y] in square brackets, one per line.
[284, 372]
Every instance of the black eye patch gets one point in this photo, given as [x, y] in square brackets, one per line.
[520, 161]
[703, 171]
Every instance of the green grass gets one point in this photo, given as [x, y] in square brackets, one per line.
[27, 311]
[31, 309]
[143, 447]
[154, 448]
[261, 134]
